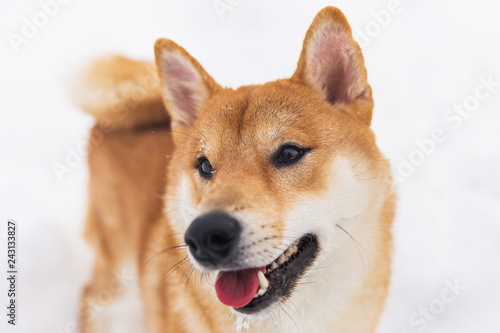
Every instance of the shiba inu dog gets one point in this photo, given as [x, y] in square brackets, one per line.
[265, 208]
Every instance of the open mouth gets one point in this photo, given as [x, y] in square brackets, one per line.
[251, 290]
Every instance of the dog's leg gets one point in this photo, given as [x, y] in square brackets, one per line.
[125, 191]
[110, 301]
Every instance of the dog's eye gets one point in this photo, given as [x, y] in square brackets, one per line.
[288, 155]
[205, 168]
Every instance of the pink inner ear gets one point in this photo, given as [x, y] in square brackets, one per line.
[182, 87]
[176, 70]
[332, 64]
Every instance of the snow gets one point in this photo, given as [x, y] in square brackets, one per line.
[427, 58]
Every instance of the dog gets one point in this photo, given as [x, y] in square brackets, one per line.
[267, 208]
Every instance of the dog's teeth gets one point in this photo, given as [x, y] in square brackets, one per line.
[291, 251]
[263, 283]
[260, 292]
[282, 259]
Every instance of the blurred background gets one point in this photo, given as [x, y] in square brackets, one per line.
[434, 67]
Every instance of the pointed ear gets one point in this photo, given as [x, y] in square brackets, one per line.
[331, 63]
[185, 84]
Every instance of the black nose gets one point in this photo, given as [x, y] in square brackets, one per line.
[213, 237]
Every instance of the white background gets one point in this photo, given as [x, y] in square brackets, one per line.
[429, 57]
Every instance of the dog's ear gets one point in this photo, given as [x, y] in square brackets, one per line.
[185, 84]
[331, 63]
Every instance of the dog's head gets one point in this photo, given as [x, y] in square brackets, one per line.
[264, 176]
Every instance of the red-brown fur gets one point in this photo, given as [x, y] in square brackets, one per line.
[133, 218]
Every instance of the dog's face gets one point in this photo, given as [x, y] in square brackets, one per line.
[263, 175]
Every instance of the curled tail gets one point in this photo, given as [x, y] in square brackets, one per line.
[121, 93]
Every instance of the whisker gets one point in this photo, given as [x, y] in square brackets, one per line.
[308, 282]
[273, 320]
[355, 241]
[293, 321]
[229, 316]
[366, 170]
[190, 153]
[361, 159]
[191, 136]
[190, 273]
[295, 308]
[182, 116]
[175, 266]
[288, 306]
[172, 235]
[318, 268]
[167, 250]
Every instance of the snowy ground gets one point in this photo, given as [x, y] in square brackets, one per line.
[425, 62]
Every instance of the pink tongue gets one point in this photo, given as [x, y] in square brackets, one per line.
[237, 289]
